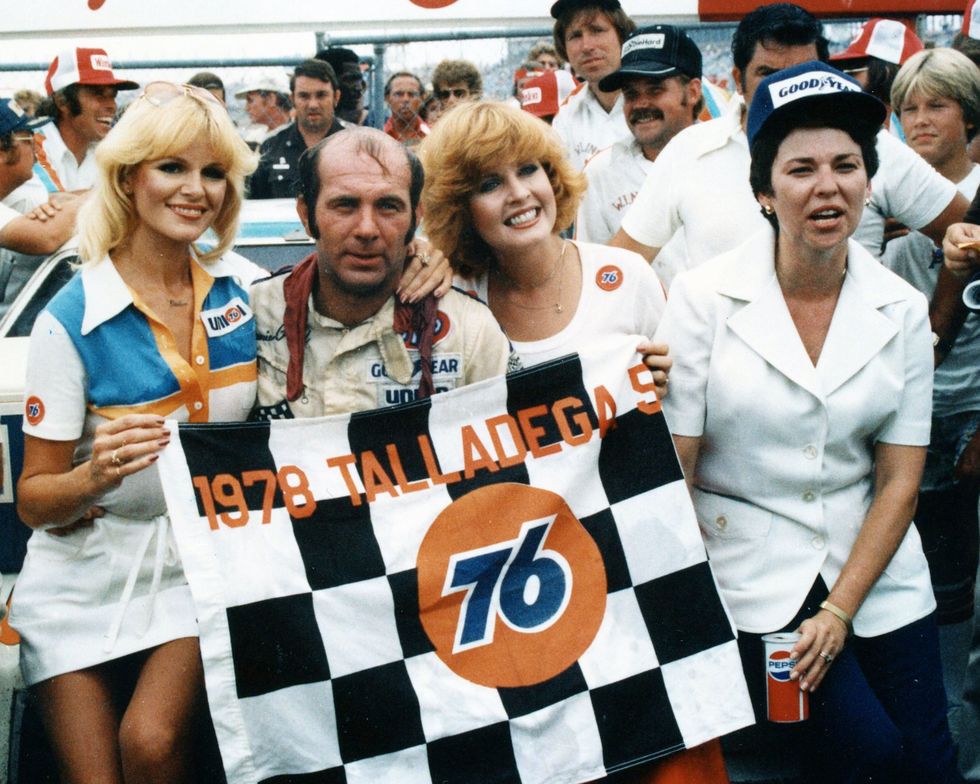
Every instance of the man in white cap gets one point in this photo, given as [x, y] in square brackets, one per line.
[82, 90]
[267, 105]
[874, 57]
[660, 79]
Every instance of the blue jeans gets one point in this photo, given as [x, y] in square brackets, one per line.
[879, 715]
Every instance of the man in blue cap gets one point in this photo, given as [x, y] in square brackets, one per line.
[19, 234]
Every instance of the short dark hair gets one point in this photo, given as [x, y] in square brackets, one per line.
[407, 74]
[337, 57]
[455, 71]
[314, 69]
[68, 95]
[881, 75]
[968, 46]
[369, 143]
[619, 19]
[208, 81]
[8, 148]
[767, 143]
[782, 23]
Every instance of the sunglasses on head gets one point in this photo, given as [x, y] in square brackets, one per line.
[162, 93]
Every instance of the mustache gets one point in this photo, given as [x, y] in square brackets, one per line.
[640, 115]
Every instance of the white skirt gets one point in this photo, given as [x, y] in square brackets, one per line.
[98, 594]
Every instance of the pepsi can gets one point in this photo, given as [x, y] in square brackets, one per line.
[786, 701]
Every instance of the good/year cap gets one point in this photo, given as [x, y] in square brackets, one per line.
[800, 89]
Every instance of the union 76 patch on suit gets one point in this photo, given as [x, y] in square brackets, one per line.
[502, 583]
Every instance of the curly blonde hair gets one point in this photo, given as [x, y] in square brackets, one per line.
[148, 132]
[470, 141]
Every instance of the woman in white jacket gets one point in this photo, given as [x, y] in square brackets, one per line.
[800, 409]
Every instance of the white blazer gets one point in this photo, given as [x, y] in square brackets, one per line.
[784, 476]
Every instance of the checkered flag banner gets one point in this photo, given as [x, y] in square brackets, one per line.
[501, 583]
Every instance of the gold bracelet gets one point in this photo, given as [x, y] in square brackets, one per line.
[836, 611]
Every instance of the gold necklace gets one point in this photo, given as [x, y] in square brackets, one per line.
[559, 308]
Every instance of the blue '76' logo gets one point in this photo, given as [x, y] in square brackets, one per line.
[527, 585]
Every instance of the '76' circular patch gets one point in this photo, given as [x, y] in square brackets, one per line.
[34, 409]
[512, 588]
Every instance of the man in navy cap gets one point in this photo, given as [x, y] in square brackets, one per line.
[660, 80]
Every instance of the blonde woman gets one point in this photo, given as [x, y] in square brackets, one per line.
[109, 637]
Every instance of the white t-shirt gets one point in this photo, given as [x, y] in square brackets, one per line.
[905, 187]
[6, 215]
[585, 127]
[621, 295]
[700, 180]
[15, 268]
[956, 383]
[615, 176]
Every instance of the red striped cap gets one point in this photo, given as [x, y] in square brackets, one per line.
[886, 39]
[81, 65]
[971, 20]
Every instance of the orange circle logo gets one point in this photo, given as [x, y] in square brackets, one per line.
[34, 409]
[440, 330]
[512, 588]
[433, 3]
[609, 278]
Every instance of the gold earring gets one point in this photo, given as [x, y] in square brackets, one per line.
[767, 209]
[867, 202]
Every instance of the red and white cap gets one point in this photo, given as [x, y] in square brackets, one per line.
[543, 94]
[81, 65]
[886, 39]
[971, 20]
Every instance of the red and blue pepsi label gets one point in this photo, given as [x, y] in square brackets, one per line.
[785, 700]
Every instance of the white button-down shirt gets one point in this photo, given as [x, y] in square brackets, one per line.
[784, 475]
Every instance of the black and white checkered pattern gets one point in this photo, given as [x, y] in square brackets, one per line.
[318, 667]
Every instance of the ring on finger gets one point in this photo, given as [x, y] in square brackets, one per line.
[425, 259]
[115, 459]
[827, 657]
